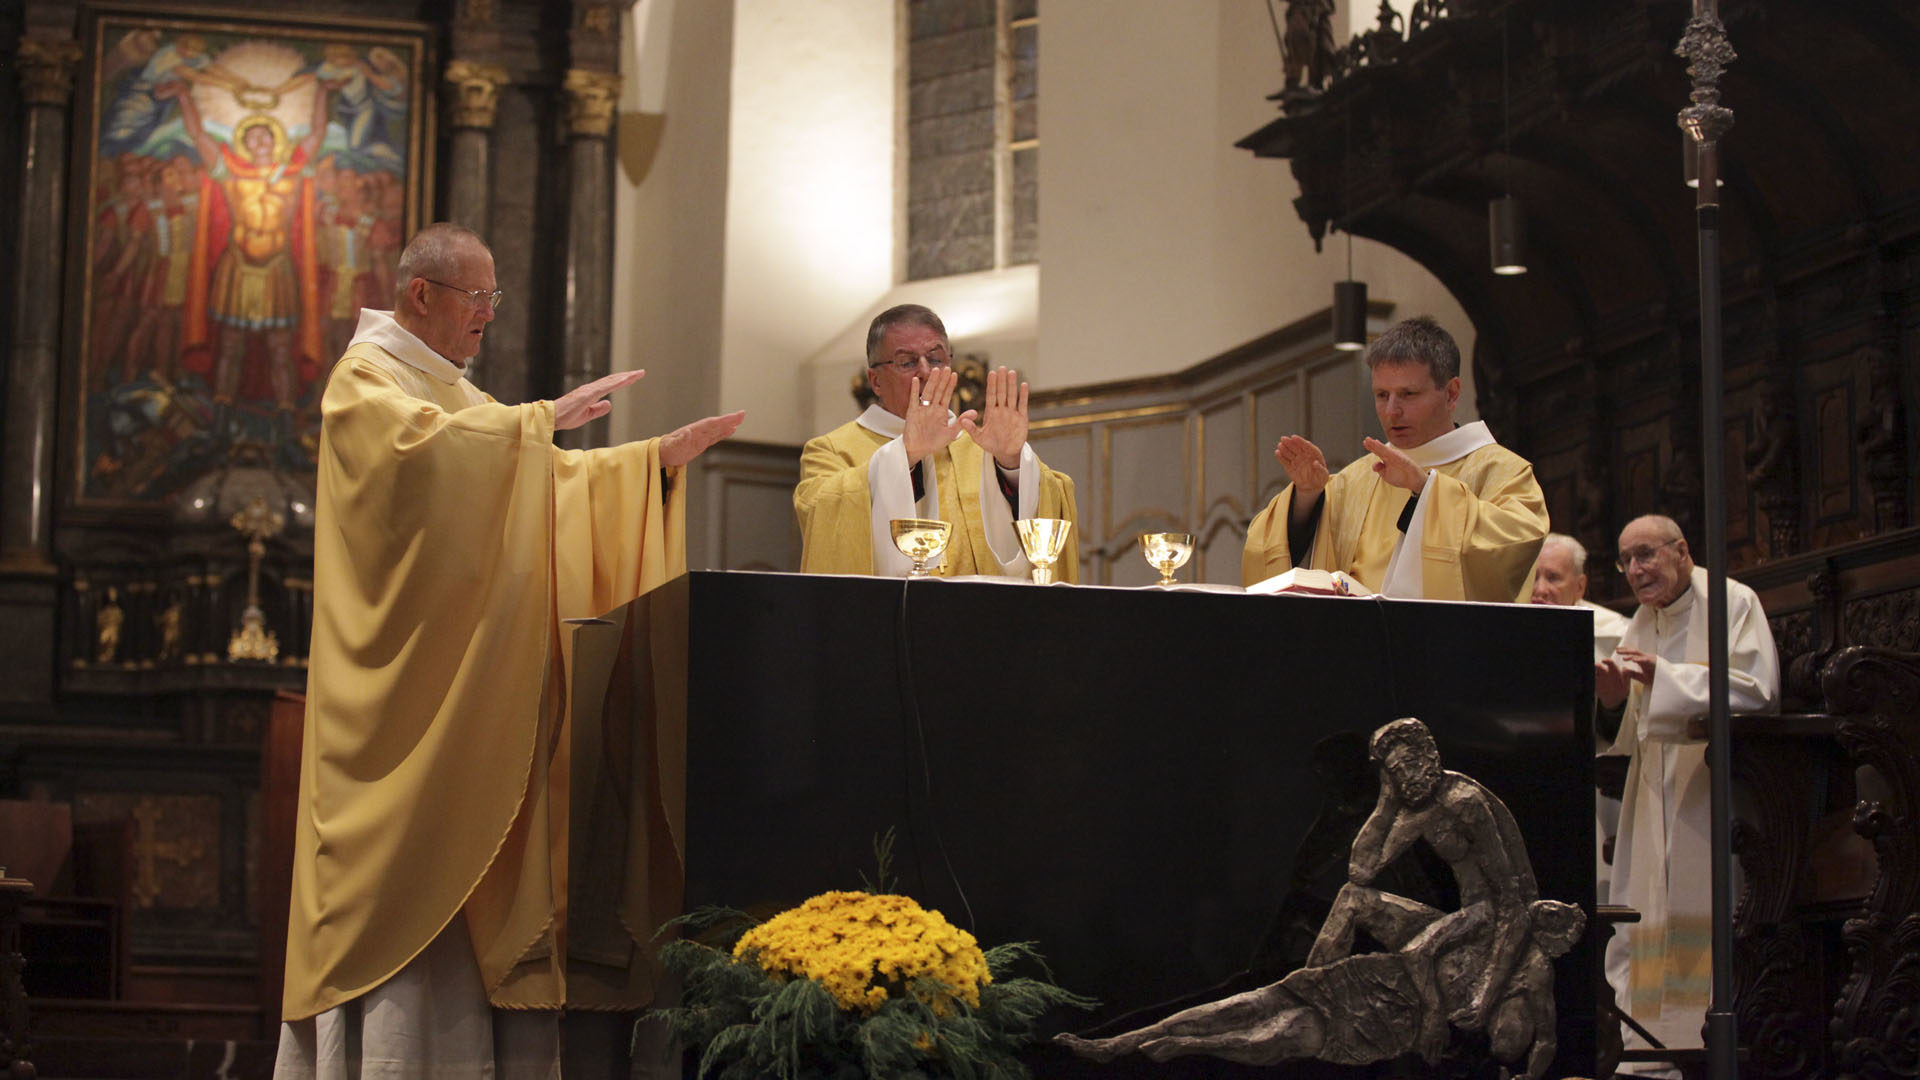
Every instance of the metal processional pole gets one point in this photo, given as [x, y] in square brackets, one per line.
[1705, 121]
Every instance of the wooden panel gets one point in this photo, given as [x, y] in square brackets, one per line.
[1277, 410]
[1833, 487]
[1641, 459]
[1224, 456]
[1147, 466]
[757, 526]
[1336, 399]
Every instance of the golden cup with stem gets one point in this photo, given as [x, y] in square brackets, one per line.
[920, 539]
[1043, 539]
[1166, 552]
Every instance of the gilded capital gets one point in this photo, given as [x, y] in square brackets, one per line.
[597, 19]
[474, 12]
[591, 98]
[473, 92]
[46, 69]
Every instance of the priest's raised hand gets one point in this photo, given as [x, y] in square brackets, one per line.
[1395, 467]
[1004, 431]
[930, 425]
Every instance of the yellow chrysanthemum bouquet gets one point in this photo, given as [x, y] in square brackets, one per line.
[853, 985]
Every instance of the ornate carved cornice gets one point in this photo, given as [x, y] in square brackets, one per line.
[591, 98]
[46, 69]
[473, 93]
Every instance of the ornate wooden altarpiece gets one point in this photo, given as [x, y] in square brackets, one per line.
[1589, 366]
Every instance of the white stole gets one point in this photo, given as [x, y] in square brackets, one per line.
[1406, 578]
[890, 487]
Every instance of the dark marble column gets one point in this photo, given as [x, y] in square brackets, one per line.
[27, 573]
[587, 318]
[26, 460]
[473, 97]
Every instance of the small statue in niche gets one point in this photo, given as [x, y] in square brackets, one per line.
[167, 622]
[1309, 44]
[1485, 967]
[106, 624]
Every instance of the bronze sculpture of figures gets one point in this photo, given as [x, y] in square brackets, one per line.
[1487, 966]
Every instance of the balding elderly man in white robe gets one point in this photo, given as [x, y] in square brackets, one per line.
[1661, 967]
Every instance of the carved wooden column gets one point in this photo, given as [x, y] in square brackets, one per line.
[473, 96]
[592, 91]
[27, 573]
[1876, 692]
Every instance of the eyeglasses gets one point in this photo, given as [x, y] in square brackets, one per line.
[1640, 555]
[477, 296]
[937, 357]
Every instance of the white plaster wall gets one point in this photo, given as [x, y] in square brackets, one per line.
[1161, 243]
[670, 213]
[810, 195]
[756, 231]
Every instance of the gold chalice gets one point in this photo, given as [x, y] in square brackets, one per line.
[1166, 552]
[920, 539]
[1043, 539]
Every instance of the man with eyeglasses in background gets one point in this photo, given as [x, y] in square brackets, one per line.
[1661, 967]
[451, 538]
[909, 456]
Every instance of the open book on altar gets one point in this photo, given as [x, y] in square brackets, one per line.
[1301, 579]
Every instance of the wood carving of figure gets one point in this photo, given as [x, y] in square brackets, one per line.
[106, 623]
[1487, 966]
[1309, 43]
[1882, 437]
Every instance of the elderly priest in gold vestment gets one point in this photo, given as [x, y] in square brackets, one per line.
[1438, 511]
[452, 537]
[909, 456]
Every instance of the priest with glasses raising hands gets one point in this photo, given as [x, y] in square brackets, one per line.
[910, 456]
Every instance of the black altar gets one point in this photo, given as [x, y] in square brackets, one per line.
[1146, 783]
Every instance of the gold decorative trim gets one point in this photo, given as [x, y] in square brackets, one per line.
[47, 66]
[1109, 416]
[473, 93]
[591, 99]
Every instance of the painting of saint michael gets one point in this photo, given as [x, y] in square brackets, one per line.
[249, 191]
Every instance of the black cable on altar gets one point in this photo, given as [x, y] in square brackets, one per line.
[910, 709]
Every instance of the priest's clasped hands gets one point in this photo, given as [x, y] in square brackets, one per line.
[930, 425]
[1615, 675]
[588, 402]
[1307, 467]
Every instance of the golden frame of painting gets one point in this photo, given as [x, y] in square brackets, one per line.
[241, 188]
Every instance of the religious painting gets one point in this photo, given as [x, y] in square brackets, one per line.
[242, 189]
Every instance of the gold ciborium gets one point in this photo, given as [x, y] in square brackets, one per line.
[920, 539]
[1166, 552]
[1043, 539]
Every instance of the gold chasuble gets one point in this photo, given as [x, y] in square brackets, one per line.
[452, 537]
[1475, 537]
[854, 480]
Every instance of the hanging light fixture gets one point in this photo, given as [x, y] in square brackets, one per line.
[1349, 296]
[1506, 220]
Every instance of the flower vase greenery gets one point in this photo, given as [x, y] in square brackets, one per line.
[852, 985]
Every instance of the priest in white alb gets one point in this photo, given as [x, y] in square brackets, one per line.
[1438, 511]
[909, 456]
[1661, 968]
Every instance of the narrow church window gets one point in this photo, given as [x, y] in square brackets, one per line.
[973, 159]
